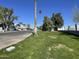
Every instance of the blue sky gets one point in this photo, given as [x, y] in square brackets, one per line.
[24, 9]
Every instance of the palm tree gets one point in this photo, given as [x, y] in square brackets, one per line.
[7, 17]
[10, 22]
[57, 21]
[2, 19]
[10, 18]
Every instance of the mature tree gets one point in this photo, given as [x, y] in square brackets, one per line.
[46, 24]
[7, 17]
[10, 22]
[57, 21]
[76, 16]
[39, 28]
[2, 19]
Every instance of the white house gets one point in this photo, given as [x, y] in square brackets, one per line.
[21, 27]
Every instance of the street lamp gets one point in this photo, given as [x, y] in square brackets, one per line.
[35, 17]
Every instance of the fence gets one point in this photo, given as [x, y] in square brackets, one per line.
[70, 28]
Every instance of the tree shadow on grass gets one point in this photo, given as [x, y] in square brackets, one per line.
[72, 36]
[65, 33]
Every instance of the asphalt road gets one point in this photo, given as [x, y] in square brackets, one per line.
[14, 33]
[10, 38]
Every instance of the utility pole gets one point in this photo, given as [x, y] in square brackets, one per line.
[35, 18]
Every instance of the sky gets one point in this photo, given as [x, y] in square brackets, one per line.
[24, 9]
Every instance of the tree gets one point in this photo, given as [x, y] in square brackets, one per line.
[57, 21]
[10, 22]
[39, 27]
[10, 18]
[2, 19]
[7, 17]
[76, 16]
[46, 24]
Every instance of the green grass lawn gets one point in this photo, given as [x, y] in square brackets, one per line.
[48, 45]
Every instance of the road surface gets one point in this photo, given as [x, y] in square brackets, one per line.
[10, 38]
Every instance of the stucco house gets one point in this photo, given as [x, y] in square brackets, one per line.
[22, 26]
